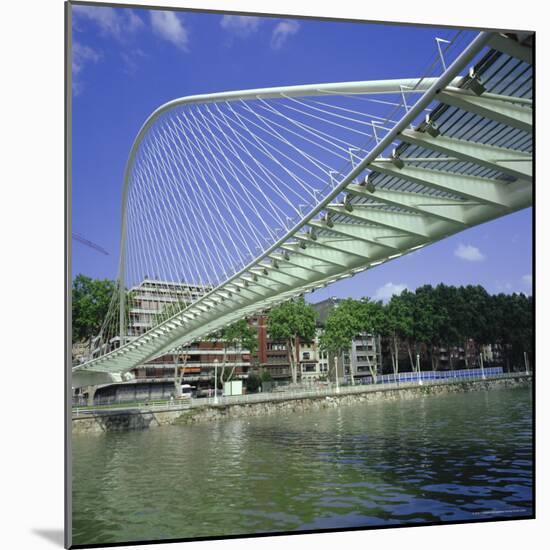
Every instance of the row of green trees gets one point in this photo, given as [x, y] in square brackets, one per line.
[448, 316]
[427, 319]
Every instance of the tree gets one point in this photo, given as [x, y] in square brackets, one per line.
[342, 325]
[239, 335]
[90, 304]
[348, 320]
[265, 376]
[513, 327]
[449, 306]
[179, 369]
[290, 321]
[428, 319]
[475, 317]
[399, 324]
[372, 321]
[253, 382]
[524, 335]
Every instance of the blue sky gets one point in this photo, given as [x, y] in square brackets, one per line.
[127, 62]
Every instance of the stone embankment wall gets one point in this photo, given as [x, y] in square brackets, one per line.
[124, 421]
[143, 419]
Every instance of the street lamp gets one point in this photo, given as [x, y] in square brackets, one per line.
[215, 381]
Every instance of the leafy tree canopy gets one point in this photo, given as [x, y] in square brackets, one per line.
[347, 320]
[399, 315]
[265, 376]
[239, 334]
[253, 382]
[90, 303]
[291, 320]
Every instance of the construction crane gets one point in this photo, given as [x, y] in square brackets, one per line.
[85, 241]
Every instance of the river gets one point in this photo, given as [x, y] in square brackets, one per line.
[432, 459]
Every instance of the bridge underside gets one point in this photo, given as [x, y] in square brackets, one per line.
[469, 163]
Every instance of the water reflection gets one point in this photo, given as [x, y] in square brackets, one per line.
[445, 458]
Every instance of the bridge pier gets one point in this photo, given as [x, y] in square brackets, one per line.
[90, 390]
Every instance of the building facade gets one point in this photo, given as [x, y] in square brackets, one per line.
[198, 361]
[365, 354]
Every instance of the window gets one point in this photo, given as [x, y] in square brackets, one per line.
[276, 347]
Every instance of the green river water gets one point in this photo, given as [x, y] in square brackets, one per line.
[432, 459]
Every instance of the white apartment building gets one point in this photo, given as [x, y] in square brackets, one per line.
[150, 297]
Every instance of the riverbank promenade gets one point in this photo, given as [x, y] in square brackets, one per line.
[386, 383]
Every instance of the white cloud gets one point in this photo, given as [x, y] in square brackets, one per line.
[82, 55]
[131, 60]
[282, 31]
[119, 23]
[134, 22]
[527, 281]
[503, 286]
[469, 253]
[385, 292]
[240, 25]
[170, 27]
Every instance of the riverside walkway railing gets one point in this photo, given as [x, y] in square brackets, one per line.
[385, 382]
[440, 375]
